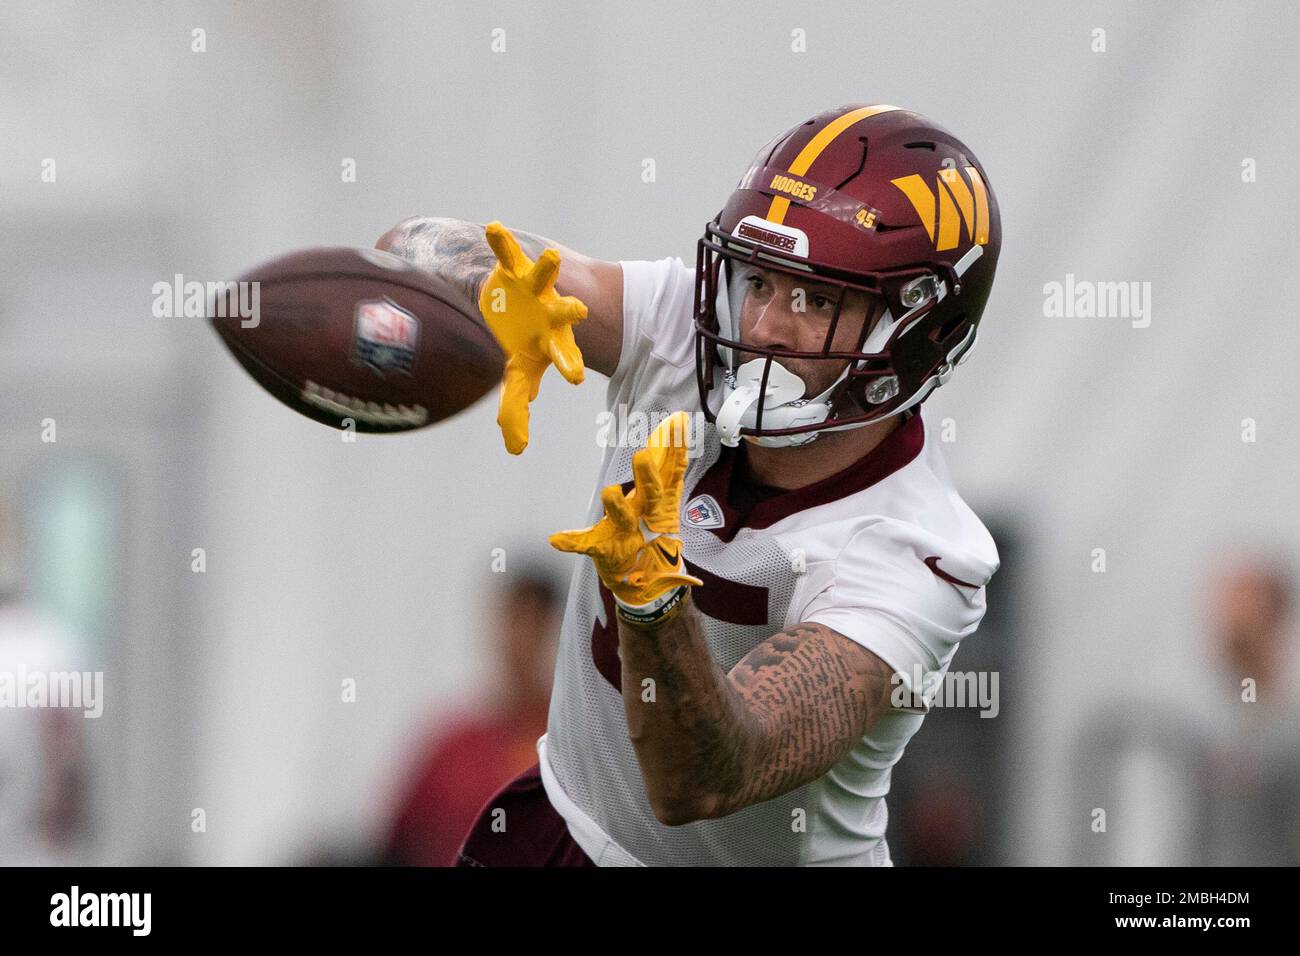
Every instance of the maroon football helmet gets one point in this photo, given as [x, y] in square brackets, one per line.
[869, 198]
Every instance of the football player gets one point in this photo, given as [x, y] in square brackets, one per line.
[737, 660]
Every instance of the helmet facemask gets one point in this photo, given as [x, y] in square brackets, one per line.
[845, 383]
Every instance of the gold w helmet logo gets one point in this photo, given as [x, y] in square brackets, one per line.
[952, 197]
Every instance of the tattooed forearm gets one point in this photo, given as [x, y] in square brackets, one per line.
[455, 249]
[685, 721]
[710, 743]
[812, 692]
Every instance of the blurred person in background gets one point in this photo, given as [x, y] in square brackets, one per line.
[1211, 777]
[41, 767]
[1253, 767]
[1251, 605]
[467, 758]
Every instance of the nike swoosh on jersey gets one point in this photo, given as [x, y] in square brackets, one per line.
[932, 562]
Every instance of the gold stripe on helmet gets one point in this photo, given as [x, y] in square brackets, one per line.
[814, 148]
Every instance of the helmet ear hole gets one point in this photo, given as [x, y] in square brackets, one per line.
[946, 331]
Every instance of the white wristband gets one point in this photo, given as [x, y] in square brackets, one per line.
[648, 609]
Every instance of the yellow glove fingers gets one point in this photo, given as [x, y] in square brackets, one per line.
[519, 386]
[665, 451]
[675, 470]
[625, 517]
[571, 309]
[638, 571]
[563, 351]
[506, 248]
[535, 369]
[532, 325]
[668, 464]
[545, 270]
[580, 541]
[659, 473]
[671, 432]
[646, 471]
[669, 442]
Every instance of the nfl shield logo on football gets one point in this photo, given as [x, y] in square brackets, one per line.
[386, 336]
[702, 511]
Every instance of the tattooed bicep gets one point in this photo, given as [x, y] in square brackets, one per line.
[813, 693]
[817, 645]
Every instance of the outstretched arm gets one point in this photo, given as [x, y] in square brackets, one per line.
[458, 251]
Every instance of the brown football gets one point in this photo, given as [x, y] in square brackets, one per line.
[357, 338]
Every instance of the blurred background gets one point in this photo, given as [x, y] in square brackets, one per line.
[294, 671]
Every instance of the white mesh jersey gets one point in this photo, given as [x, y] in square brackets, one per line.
[872, 552]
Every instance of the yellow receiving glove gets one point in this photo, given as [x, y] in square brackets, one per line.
[635, 546]
[532, 323]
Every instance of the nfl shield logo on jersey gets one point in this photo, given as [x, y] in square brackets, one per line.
[386, 336]
[702, 511]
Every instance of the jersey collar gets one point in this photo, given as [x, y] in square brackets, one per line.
[899, 448]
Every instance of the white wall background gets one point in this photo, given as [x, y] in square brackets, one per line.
[324, 557]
